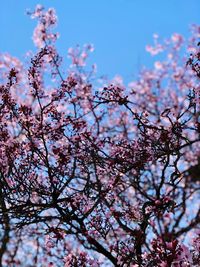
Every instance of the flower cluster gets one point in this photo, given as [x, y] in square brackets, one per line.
[94, 175]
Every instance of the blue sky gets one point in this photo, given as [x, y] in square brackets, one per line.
[119, 29]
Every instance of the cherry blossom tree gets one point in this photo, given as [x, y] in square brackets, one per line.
[96, 173]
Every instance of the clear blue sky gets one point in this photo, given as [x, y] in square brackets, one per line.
[119, 29]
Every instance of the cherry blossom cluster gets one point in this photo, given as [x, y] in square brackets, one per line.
[99, 173]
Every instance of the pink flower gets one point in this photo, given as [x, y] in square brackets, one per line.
[177, 38]
[158, 65]
[184, 255]
[154, 50]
